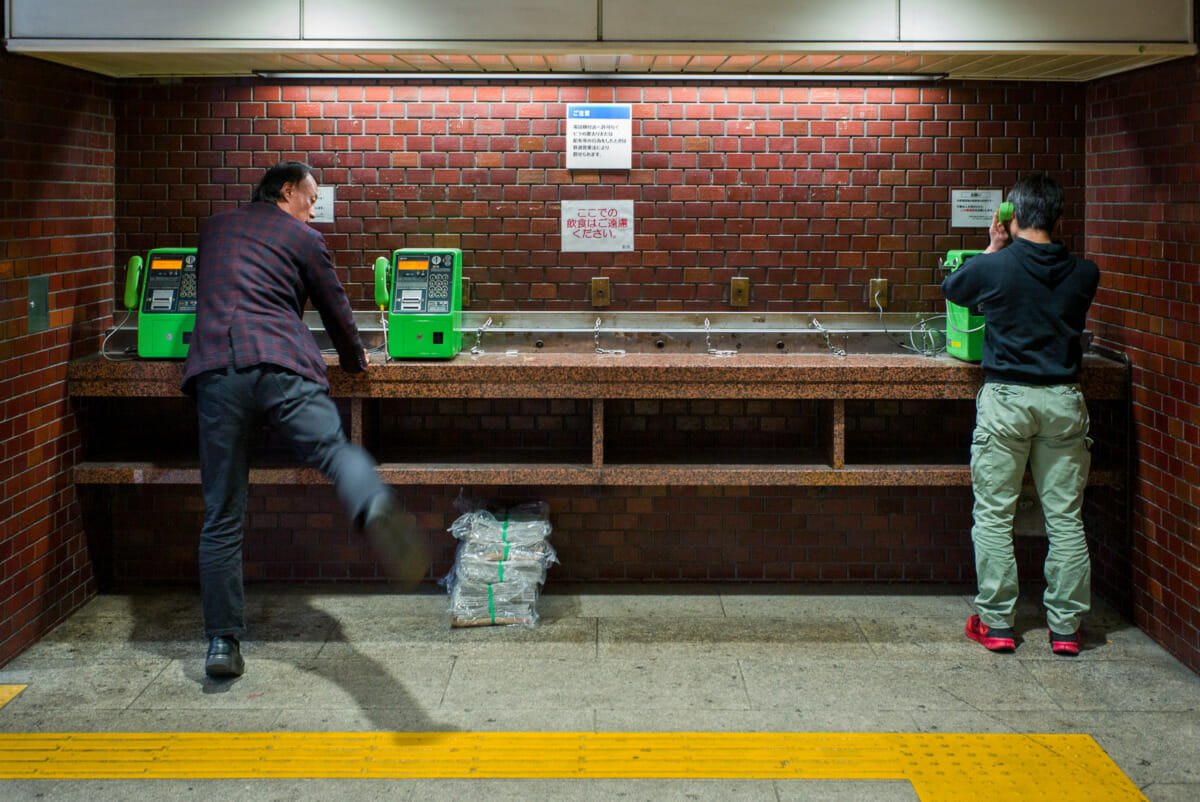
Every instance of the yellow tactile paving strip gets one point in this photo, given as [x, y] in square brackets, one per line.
[954, 767]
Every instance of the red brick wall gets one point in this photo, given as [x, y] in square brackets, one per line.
[808, 191]
[681, 534]
[56, 220]
[1143, 177]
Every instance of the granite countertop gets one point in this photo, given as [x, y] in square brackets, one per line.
[601, 376]
[592, 375]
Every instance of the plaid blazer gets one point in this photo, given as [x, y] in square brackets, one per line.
[256, 267]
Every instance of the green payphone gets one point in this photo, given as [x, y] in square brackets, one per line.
[165, 301]
[964, 327]
[420, 290]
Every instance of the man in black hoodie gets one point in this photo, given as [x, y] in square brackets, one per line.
[1034, 298]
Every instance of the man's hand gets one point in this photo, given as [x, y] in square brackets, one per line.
[998, 232]
[366, 360]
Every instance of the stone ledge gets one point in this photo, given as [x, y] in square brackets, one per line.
[559, 375]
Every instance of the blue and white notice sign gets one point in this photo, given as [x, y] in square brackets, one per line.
[599, 136]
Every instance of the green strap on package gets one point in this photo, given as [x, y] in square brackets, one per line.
[492, 604]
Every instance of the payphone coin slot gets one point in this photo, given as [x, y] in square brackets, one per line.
[410, 300]
[162, 300]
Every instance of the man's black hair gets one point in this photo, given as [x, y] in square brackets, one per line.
[270, 188]
[1037, 201]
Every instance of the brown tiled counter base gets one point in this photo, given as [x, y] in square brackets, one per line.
[828, 385]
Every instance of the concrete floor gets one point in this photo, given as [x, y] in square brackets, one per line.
[631, 658]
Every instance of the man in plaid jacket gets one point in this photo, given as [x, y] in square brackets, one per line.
[252, 358]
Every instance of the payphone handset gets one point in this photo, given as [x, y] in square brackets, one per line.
[420, 292]
[964, 326]
[164, 295]
[1005, 212]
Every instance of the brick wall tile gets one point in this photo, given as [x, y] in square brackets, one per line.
[1145, 292]
[60, 210]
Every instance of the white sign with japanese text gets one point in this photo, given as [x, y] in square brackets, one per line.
[973, 208]
[323, 208]
[597, 225]
[599, 136]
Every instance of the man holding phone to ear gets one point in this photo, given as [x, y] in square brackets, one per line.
[253, 359]
[1034, 297]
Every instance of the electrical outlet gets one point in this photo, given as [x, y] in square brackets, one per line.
[39, 304]
[600, 292]
[739, 291]
[877, 294]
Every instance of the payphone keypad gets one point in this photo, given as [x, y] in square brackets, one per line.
[441, 273]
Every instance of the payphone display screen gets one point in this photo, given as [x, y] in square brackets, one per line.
[170, 283]
[423, 283]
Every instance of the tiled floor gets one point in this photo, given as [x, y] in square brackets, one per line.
[602, 659]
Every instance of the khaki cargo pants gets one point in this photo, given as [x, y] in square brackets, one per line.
[1046, 428]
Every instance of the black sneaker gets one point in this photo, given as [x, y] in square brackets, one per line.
[224, 658]
[394, 538]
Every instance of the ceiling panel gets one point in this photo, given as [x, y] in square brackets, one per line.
[1076, 63]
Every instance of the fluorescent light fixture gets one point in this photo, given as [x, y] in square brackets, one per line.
[596, 76]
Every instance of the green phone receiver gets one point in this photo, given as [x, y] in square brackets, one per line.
[382, 296]
[1005, 212]
[133, 277]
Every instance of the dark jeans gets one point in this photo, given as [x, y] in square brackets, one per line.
[230, 404]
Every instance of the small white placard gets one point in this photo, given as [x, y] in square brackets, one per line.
[974, 208]
[323, 208]
[599, 136]
[597, 225]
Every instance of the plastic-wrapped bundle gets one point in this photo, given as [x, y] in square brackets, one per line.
[488, 572]
[500, 565]
[540, 551]
[478, 604]
[523, 524]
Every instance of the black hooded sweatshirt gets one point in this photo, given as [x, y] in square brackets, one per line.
[1034, 299]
